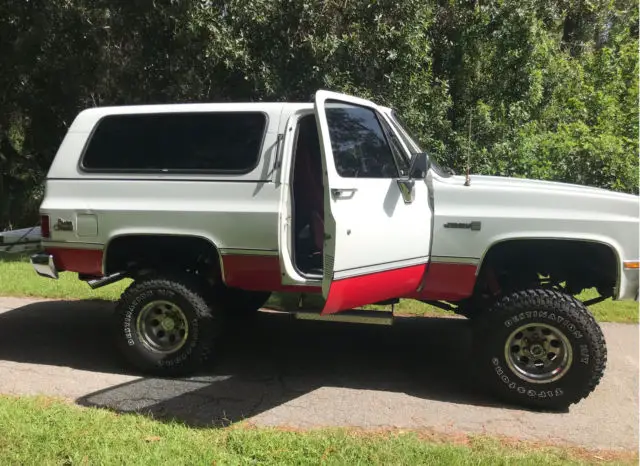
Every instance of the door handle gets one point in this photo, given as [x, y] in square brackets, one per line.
[344, 193]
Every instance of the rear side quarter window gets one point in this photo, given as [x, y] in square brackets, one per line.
[214, 142]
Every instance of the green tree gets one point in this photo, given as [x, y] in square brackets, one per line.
[550, 88]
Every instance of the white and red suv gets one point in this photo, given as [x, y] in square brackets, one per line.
[211, 208]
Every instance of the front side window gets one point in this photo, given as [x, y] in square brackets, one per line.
[360, 147]
[399, 154]
[203, 141]
[400, 127]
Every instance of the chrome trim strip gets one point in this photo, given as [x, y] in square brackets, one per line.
[455, 260]
[249, 252]
[71, 245]
[156, 179]
[384, 267]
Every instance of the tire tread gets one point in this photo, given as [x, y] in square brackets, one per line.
[203, 305]
[569, 307]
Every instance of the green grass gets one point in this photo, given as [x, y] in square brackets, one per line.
[606, 311]
[17, 278]
[44, 431]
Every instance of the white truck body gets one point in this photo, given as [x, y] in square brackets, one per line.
[249, 215]
[210, 208]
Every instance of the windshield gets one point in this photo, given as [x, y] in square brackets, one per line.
[413, 146]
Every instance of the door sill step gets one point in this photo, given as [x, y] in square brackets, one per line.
[355, 316]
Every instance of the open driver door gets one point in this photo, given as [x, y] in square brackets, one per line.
[377, 214]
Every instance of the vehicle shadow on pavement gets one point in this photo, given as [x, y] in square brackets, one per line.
[261, 365]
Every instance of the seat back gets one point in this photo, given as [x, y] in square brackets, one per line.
[308, 185]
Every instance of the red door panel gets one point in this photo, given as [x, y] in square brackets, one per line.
[352, 292]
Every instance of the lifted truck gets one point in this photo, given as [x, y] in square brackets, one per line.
[211, 208]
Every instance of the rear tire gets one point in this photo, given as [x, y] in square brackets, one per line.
[165, 326]
[540, 348]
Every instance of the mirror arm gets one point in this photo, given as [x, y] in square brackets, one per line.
[407, 189]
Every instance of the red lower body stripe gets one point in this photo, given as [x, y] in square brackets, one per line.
[258, 273]
[84, 261]
[443, 281]
[448, 282]
[349, 293]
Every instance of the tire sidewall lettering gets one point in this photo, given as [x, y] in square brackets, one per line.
[581, 351]
[562, 323]
[132, 308]
[520, 309]
[185, 351]
[585, 355]
[131, 335]
[521, 389]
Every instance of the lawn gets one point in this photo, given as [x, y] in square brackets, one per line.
[45, 431]
[17, 278]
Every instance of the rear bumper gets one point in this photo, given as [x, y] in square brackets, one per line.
[44, 265]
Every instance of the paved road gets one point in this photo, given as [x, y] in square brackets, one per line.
[309, 374]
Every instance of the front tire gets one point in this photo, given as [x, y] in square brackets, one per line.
[540, 348]
[165, 326]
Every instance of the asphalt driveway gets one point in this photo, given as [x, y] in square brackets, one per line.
[283, 372]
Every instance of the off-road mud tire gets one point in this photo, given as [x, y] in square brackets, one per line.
[202, 315]
[493, 329]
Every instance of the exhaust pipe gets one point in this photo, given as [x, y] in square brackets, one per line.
[108, 280]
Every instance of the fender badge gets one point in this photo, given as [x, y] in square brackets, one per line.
[63, 225]
[473, 226]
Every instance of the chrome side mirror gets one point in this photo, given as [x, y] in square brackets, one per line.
[417, 171]
[407, 189]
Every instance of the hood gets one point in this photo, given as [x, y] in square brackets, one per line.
[508, 183]
[547, 195]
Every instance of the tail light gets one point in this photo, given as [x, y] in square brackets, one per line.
[45, 228]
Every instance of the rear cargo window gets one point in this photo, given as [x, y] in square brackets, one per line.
[213, 142]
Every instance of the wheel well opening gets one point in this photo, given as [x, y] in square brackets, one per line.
[138, 252]
[572, 266]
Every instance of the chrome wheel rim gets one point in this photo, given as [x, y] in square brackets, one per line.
[162, 327]
[538, 353]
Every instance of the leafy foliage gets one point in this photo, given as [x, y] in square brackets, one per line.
[542, 89]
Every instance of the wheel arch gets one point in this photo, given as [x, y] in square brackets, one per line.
[203, 242]
[604, 244]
